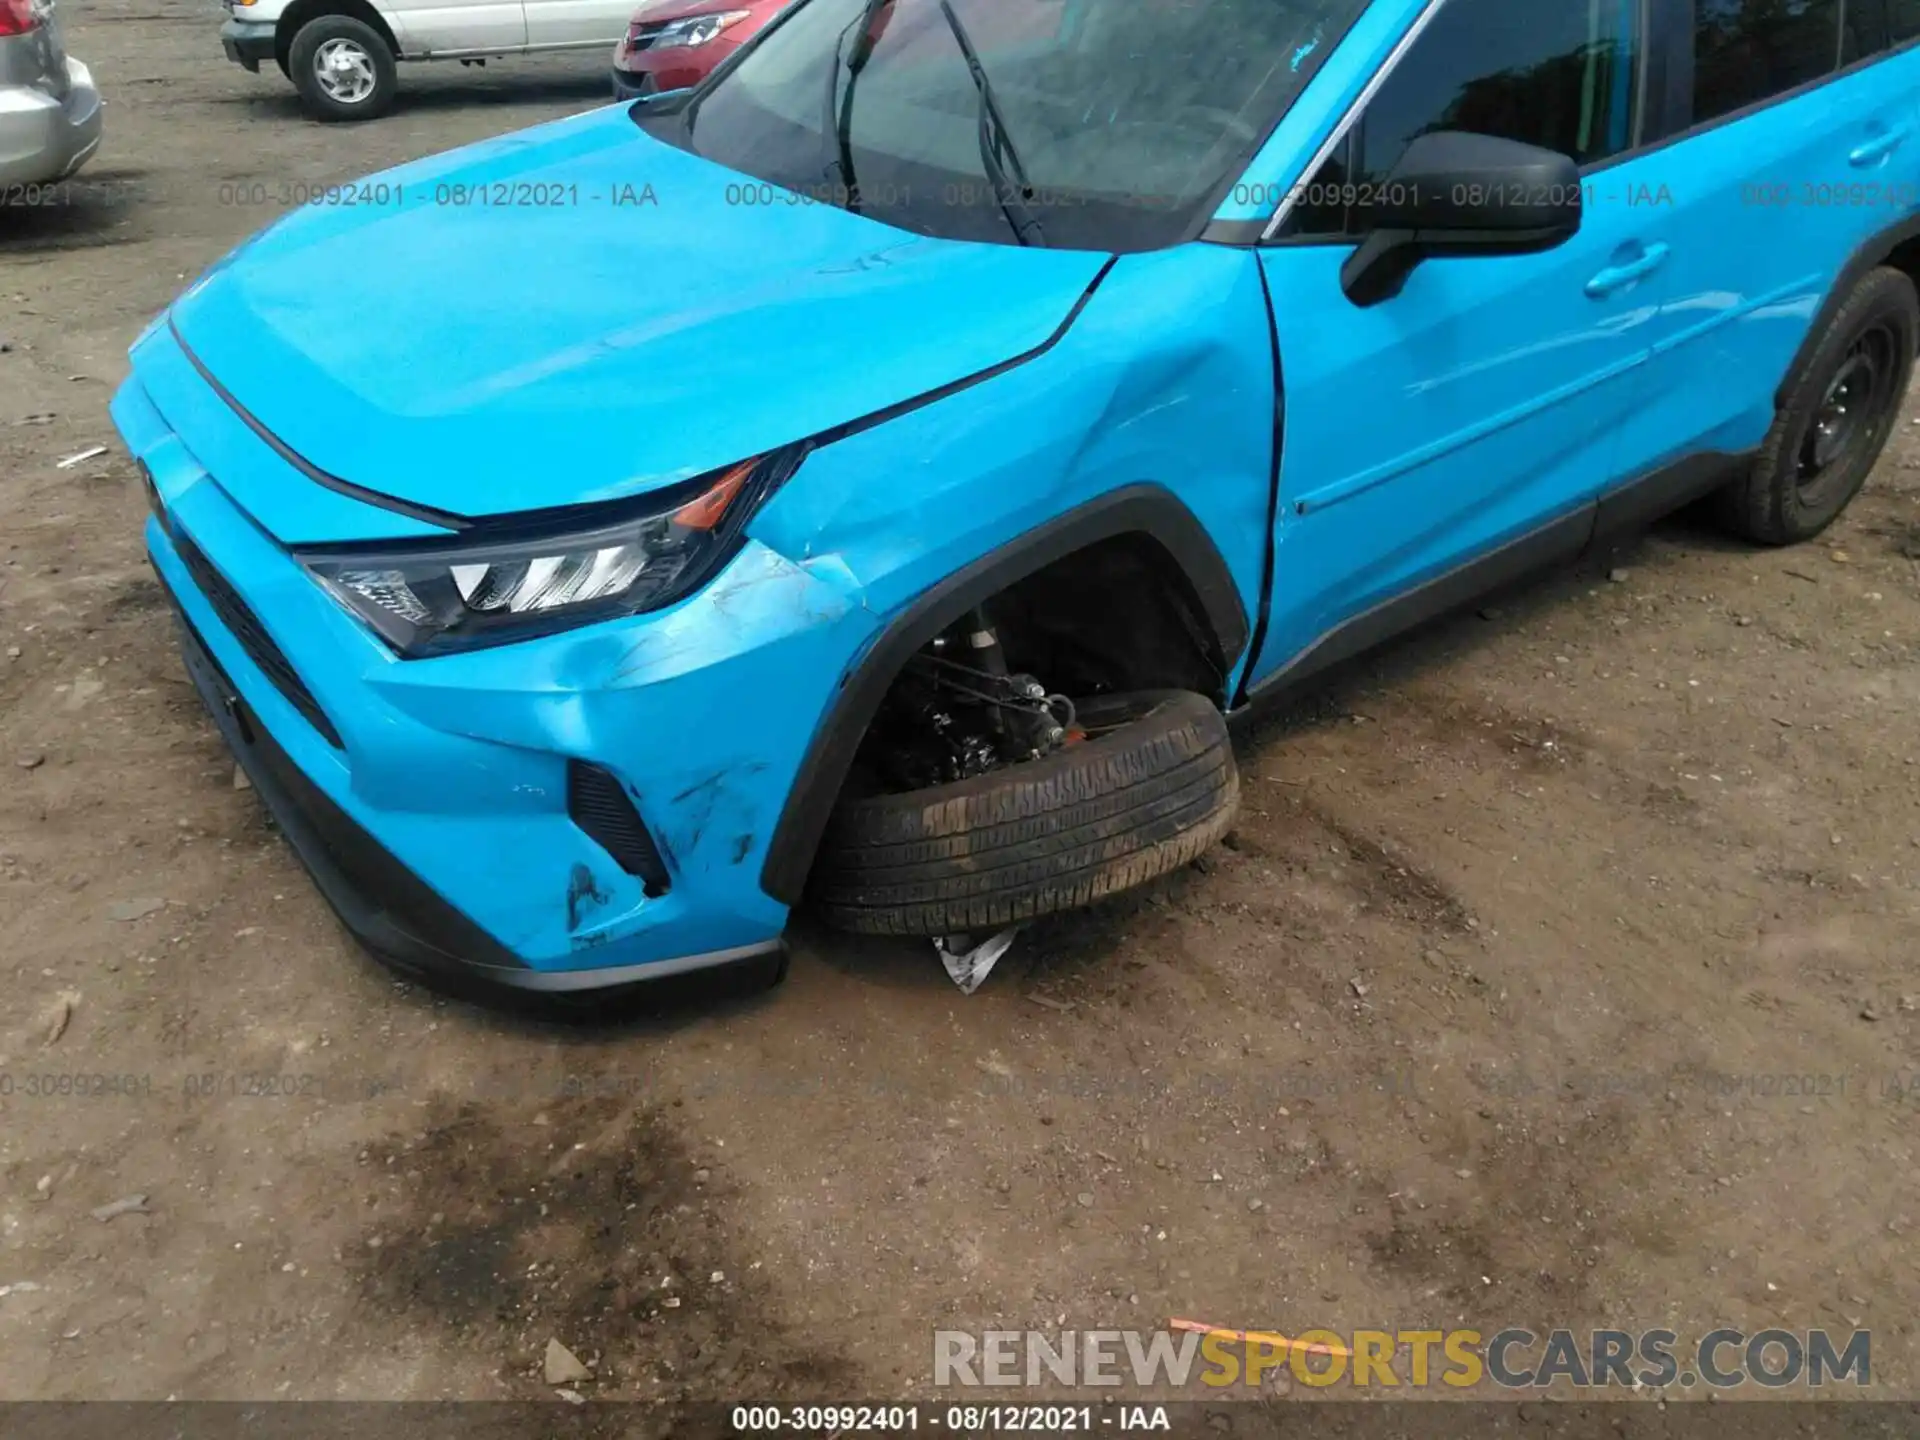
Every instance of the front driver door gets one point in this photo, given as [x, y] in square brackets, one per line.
[1473, 416]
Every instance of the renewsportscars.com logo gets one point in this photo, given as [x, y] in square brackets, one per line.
[1511, 1359]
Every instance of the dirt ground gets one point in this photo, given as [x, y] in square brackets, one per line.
[1561, 970]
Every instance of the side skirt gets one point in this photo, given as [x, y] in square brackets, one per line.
[1629, 507]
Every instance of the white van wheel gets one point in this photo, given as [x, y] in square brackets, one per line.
[343, 69]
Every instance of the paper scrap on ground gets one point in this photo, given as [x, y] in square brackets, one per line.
[132, 1205]
[968, 963]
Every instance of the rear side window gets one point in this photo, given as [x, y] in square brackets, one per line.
[1555, 73]
[1748, 51]
[1904, 17]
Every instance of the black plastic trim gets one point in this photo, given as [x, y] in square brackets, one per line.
[1640, 502]
[1149, 510]
[247, 43]
[389, 909]
[1666, 92]
[250, 632]
[1781, 97]
[1241, 234]
[1559, 539]
[1273, 479]
[406, 925]
[1626, 508]
[1871, 252]
[966, 382]
[599, 804]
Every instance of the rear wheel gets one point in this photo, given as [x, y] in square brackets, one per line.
[1838, 413]
[343, 69]
[1144, 784]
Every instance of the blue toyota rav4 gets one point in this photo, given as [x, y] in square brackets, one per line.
[872, 477]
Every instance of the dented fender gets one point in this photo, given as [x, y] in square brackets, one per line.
[1153, 414]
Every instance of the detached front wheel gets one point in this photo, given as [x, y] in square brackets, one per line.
[1150, 787]
[343, 69]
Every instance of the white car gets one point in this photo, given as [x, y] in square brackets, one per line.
[341, 54]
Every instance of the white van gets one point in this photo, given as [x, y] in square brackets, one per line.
[341, 54]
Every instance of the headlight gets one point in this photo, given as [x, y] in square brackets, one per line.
[692, 30]
[428, 597]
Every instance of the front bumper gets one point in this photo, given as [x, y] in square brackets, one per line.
[386, 907]
[432, 799]
[641, 72]
[45, 137]
[630, 86]
[248, 42]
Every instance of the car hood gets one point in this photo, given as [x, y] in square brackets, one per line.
[581, 312]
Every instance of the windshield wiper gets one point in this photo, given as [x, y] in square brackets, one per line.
[1007, 175]
[838, 126]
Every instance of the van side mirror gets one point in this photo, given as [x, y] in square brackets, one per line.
[1455, 193]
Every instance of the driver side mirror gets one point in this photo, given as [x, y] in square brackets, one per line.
[1455, 193]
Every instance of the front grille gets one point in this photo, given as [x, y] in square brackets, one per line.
[642, 36]
[245, 627]
[598, 803]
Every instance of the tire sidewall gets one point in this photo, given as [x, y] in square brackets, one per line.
[300, 66]
[1883, 297]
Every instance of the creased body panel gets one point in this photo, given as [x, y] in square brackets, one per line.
[567, 315]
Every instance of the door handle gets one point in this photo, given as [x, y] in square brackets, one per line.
[1878, 148]
[1618, 277]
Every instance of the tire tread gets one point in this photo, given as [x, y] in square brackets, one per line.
[1080, 825]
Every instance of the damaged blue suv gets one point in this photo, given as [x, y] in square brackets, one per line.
[871, 478]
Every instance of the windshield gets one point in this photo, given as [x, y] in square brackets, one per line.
[1085, 124]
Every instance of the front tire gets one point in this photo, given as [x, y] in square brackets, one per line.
[1838, 414]
[343, 69]
[1152, 787]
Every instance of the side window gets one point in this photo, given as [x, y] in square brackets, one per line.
[1554, 73]
[1904, 17]
[1747, 51]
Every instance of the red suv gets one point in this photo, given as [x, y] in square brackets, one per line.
[671, 44]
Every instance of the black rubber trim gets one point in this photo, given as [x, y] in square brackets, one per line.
[1666, 87]
[426, 514]
[1240, 234]
[1149, 510]
[1273, 480]
[1871, 253]
[893, 412]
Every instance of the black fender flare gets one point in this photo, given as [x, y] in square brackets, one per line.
[1149, 510]
[1870, 253]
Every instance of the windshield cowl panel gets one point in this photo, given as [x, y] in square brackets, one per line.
[1114, 125]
